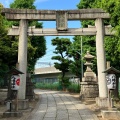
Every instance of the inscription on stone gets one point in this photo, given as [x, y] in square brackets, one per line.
[61, 20]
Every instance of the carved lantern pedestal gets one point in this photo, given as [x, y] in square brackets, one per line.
[89, 85]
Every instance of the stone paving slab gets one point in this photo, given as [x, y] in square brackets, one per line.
[55, 105]
[49, 119]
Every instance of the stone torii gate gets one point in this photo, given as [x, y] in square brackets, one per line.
[61, 17]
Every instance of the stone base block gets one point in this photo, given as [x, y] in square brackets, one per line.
[107, 114]
[105, 102]
[12, 114]
[22, 104]
[89, 90]
[102, 102]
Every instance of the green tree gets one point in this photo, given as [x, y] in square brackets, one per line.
[89, 43]
[6, 49]
[36, 44]
[75, 52]
[23, 4]
[112, 7]
[9, 44]
[62, 56]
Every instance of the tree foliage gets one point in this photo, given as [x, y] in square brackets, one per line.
[88, 42]
[23, 4]
[61, 51]
[36, 44]
[9, 44]
[6, 49]
[75, 52]
[112, 7]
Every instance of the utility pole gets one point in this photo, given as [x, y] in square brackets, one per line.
[81, 52]
[81, 61]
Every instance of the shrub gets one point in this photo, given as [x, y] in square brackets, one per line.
[50, 86]
[75, 88]
[64, 82]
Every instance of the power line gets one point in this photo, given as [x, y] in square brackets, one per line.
[44, 64]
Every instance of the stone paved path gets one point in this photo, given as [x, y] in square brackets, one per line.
[55, 105]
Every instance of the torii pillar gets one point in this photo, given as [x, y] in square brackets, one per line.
[101, 62]
[22, 57]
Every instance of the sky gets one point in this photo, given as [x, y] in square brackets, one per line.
[51, 5]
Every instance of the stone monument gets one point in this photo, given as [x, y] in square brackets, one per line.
[89, 85]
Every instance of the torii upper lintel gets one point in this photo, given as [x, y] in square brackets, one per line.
[50, 15]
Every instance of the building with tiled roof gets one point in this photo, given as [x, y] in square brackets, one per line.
[49, 75]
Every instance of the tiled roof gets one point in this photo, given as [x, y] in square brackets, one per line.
[111, 69]
[46, 70]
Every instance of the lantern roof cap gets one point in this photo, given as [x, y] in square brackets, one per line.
[111, 70]
[15, 71]
[88, 55]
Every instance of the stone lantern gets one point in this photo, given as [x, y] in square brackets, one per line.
[14, 83]
[89, 75]
[89, 85]
[12, 99]
[112, 83]
[111, 77]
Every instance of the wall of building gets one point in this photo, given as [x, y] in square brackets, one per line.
[52, 77]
